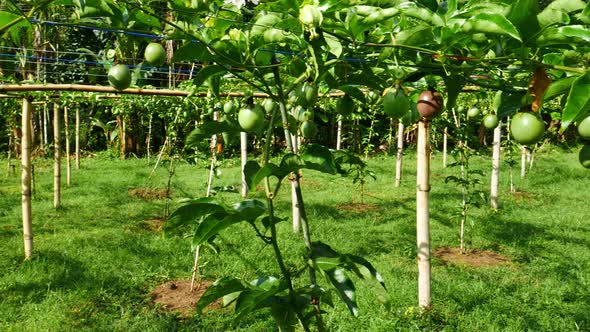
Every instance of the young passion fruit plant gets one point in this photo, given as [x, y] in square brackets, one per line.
[206, 217]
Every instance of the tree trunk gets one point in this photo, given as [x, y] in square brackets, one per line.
[26, 178]
[422, 214]
[339, 135]
[244, 160]
[400, 153]
[56, 159]
[77, 138]
[495, 166]
[445, 146]
[68, 162]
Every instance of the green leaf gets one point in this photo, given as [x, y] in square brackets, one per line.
[523, 16]
[334, 45]
[558, 88]
[189, 213]
[250, 209]
[550, 16]
[566, 35]
[506, 104]
[319, 158]
[344, 288]
[212, 225]
[353, 91]
[250, 170]
[218, 289]
[491, 23]
[454, 85]
[424, 14]
[256, 296]
[578, 100]
[207, 73]
[208, 129]
[192, 51]
[415, 36]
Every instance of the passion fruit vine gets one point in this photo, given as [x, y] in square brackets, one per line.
[430, 104]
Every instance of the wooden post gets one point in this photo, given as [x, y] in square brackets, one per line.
[45, 121]
[339, 135]
[213, 156]
[495, 166]
[149, 139]
[523, 161]
[26, 178]
[244, 159]
[445, 141]
[400, 153]
[56, 159]
[78, 138]
[68, 162]
[422, 214]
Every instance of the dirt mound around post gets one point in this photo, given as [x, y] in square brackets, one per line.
[177, 296]
[149, 194]
[472, 257]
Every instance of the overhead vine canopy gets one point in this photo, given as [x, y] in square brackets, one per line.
[338, 44]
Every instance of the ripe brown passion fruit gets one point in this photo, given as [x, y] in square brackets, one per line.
[430, 104]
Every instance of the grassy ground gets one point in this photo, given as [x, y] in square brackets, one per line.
[97, 258]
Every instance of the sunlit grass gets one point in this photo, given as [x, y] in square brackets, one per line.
[98, 257]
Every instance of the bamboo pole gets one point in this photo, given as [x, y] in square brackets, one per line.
[445, 146]
[56, 159]
[149, 138]
[77, 138]
[422, 214]
[213, 156]
[244, 160]
[45, 121]
[26, 178]
[68, 161]
[523, 161]
[40, 121]
[495, 166]
[400, 153]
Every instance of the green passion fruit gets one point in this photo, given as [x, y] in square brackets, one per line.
[119, 77]
[251, 119]
[230, 106]
[155, 54]
[584, 128]
[473, 112]
[345, 105]
[430, 104]
[527, 128]
[584, 156]
[308, 129]
[308, 95]
[491, 121]
[395, 103]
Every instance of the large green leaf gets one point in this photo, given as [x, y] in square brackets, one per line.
[491, 23]
[189, 213]
[344, 288]
[557, 88]
[523, 15]
[454, 85]
[208, 73]
[567, 35]
[424, 14]
[209, 129]
[578, 100]
[353, 91]
[250, 209]
[319, 158]
[219, 289]
[192, 51]
[550, 16]
[506, 104]
[212, 225]
[257, 294]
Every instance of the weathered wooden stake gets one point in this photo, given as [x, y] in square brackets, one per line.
[244, 160]
[445, 142]
[422, 214]
[26, 178]
[495, 166]
[339, 135]
[400, 153]
[78, 138]
[56, 159]
[68, 161]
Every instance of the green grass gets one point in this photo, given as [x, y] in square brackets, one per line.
[96, 260]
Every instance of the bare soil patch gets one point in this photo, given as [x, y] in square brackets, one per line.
[522, 195]
[154, 225]
[473, 257]
[176, 296]
[149, 194]
[357, 207]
